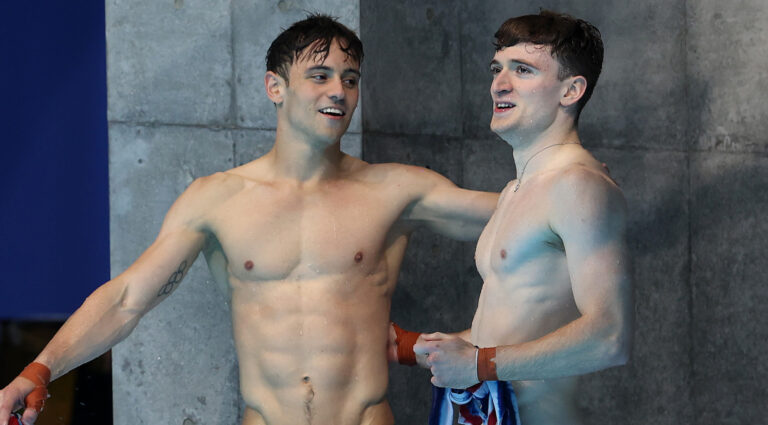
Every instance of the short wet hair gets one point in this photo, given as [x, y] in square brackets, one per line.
[575, 43]
[316, 31]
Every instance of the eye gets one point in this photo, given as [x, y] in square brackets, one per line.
[318, 77]
[522, 69]
[350, 82]
[495, 69]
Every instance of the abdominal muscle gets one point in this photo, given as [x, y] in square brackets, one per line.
[512, 311]
[313, 351]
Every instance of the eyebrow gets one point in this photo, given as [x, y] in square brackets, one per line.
[520, 61]
[329, 69]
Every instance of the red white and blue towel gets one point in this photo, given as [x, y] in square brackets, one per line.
[486, 403]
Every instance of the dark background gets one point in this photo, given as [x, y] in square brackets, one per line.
[54, 230]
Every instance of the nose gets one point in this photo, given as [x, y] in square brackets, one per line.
[501, 84]
[336, 90]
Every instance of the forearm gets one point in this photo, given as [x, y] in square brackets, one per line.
[101, 322]
[583, 346]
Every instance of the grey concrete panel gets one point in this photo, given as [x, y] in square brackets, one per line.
[727, 59]
[179, 363]
[488, 164]
[730, 295]
[252, 144]
[169, 62]
[412, 74]
[640, 97]
[256, 24]
[654, 387]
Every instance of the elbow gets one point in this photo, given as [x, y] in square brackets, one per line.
[618, 348]
[121, 305]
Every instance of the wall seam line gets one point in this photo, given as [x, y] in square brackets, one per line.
[689, 201]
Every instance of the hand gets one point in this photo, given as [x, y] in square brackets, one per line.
[392, 356]
[450, 358]
[12, 398]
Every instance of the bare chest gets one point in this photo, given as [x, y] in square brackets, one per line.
[518, 234]
[268, 233]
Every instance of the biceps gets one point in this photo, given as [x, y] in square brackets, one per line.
[600, 278]
[160, 269]
[456, 212]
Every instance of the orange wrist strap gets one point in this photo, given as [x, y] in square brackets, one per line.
[486, 368]
[40, 375]
[405, 341]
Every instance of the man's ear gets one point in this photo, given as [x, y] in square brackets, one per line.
[275, 87]
[574, 91]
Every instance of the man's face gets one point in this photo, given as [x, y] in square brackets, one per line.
[526, 90]
[321, 96]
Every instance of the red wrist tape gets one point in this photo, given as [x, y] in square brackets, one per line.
[405, 341]
[40, 375]
[486, 368]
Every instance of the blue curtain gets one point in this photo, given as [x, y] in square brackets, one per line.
[54, 208]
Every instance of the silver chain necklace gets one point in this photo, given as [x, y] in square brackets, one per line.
[520, 179]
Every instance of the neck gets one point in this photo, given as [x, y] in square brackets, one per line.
[296, 158]
[525, 147]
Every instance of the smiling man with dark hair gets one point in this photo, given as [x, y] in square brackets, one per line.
[308, 239]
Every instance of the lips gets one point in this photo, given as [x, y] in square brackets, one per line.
[333, 113]
[500, 107]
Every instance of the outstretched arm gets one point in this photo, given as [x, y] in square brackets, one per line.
[448, 209]
[113, 310]
[590, 219]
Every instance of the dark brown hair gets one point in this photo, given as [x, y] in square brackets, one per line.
[574, 43]
[317, 31]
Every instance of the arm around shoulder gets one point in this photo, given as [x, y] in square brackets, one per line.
[446, 208]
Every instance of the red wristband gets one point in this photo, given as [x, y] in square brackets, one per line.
[40, 375]
[486, 364]
[405, 341]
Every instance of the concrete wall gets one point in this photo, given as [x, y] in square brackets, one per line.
[678, 117]
[186, 99]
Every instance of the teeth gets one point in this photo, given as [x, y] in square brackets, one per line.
[504, 105]
[332, 111]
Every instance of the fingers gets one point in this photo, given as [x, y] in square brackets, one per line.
[8, 404]
[436, 336]
[424, 348]
[30, 416]
[436, 383]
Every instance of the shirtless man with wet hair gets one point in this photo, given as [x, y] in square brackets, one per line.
[556, 296]
[309, 239]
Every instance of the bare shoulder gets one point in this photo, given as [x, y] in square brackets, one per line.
[586, 190]
[192, 208]
[215, 187]
[414, 178]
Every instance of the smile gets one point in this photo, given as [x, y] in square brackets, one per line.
[335, 112]
[502, 106]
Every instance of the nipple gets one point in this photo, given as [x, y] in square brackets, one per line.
[248, 265]
[359, 257]
[503, 253]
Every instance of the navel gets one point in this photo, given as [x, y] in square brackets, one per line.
[503, 254]
[359, 256]
[248, 265]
